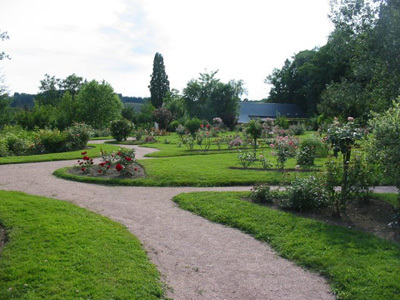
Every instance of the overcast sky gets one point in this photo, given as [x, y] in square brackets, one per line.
[117, 40]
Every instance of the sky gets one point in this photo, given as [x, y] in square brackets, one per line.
[116, 40]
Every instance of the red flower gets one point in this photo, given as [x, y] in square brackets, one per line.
[102, 164]
[119, 167]
[119, 153]
[99, 171]
[135, 169]
[86, 158]
[201, 125]
[208, 125]
[84, 153]
[83, 169]
[128, 158]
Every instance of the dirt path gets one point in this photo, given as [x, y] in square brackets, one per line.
[197, 259]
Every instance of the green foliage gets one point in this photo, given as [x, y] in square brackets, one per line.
[98, 105]
[192, 125]
[358, 265]
[57, 250]
[78, 136]
[246, 158]
[159, 84]
[356, 72]
[121, 129]
[254, 129]
[207, 98]
[305, 194]
[173, 126]
[307, 151]
[146, 116]
[52, 141]
[282, 122]
[262, 193]
[384, 146]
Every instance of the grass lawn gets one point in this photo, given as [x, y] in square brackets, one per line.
[56, 250]
[93, 151]
[388, 197]
[199, 170]
[357, 265]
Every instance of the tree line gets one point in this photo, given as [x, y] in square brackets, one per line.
[355, 73]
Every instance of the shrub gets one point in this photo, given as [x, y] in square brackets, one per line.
[246, 158]
[121, 129]
[51, 140]
[3, 147]
[77, 136]
[254, 129]
[307, 152]
[162, 116]
[297, 129]
[192, 125]
[173, 125]
[282, 122]
[284, 147]
[261, 193]
[361, 178]
[305, 194]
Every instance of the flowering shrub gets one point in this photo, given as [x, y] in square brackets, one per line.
[217, 120]
[262, 193]
[284, 147]
[297, 129]
[305, 194]
[51, 140]
[236, 142]
[246, 158]
[203, 139]
[78, 136]
[188, 141]
[180, 130]
[86, 164]
[268, 128]
[126, 161]
[265, 162]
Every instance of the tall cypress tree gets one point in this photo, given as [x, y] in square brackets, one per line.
[159, 84]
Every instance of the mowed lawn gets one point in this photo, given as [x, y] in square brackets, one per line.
[56, 250]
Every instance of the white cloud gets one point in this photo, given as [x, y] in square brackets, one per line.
[117, 40]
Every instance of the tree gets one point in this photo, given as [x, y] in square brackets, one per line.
[3, 36]
[159, 84]
[208, 97]
[98, 105]
[50, 91]
[385, 143]
[163, 117]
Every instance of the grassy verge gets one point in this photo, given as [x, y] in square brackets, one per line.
[388, 197]
[358, 265]
[93, 151]
[199, 170]
[57, 250]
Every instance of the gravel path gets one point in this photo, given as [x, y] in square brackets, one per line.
[197, 259]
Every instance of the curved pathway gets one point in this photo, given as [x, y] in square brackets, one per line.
[196, 258]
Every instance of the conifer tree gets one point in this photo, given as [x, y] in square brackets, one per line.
[159, 84]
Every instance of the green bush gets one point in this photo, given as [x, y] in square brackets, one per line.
[262, 193]
[121, 129]
[173, 125]
[77, 136]
[51, 140]
[305, 194]
[3, 147]
[307, 152]
[192, 125]
[282, 122]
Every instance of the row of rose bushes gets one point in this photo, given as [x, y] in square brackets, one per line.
[14, 140]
